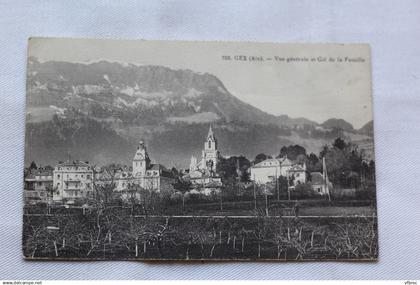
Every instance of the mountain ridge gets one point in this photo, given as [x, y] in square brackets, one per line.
[129, 102]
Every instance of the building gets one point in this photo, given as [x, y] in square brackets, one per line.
[38, 186]
[209, 155]
[268, 170]
[320, 182]
[297, 174]
[72, 180]
[154, 177]
[203, 174]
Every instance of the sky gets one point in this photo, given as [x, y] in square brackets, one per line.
[294, 79]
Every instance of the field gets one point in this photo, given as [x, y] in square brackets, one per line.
[112, 233]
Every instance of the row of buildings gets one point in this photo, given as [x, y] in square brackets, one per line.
[72, 180]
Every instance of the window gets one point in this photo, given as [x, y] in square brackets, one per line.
[58, 176]
[88, 176]
[209, 144]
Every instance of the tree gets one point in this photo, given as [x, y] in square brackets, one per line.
[134, 196]
[339, 143]
[304, 190]
[292, 151]
[183, 186]
[261, 229]
[138, 233]
[261, 157]
[283, 184]
[233, 168]
[313, 164]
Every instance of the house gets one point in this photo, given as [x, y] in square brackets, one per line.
[319, 181]
[268, 170]
[38, 186]
[72, 180]
[123, 179]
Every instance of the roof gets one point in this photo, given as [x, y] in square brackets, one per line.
[123, 175]
[157, 167]
[317, 178]
[73, 163]
[272, 162]
[297, 168]
[162, 170]
[38, 172]
[285, 161]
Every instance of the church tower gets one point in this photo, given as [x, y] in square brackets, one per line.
[141, 160]
[210, 153]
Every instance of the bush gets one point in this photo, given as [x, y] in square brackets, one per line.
[304, 191]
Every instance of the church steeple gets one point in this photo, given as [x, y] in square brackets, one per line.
[210, 152]
[211, 142]
[210, 135]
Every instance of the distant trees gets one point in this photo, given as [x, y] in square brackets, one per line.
[261, 157]
[347, 165]
[234, 169]
[182, 186]
[292, 151]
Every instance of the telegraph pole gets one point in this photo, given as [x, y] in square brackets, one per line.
[266, 200]
[255, 195]
[277, 186]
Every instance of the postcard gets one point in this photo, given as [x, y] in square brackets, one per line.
[182, 150]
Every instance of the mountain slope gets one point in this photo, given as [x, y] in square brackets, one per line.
[104, 89]
[337, 124]
[367, 128]
[99, 111]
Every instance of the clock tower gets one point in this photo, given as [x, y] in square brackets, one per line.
[141, 160]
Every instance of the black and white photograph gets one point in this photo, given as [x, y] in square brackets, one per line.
[185, 151]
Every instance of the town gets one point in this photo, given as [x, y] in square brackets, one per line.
[74, 182]
[281, 208]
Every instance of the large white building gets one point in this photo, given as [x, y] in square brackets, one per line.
[268, 170]
[72, 180]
